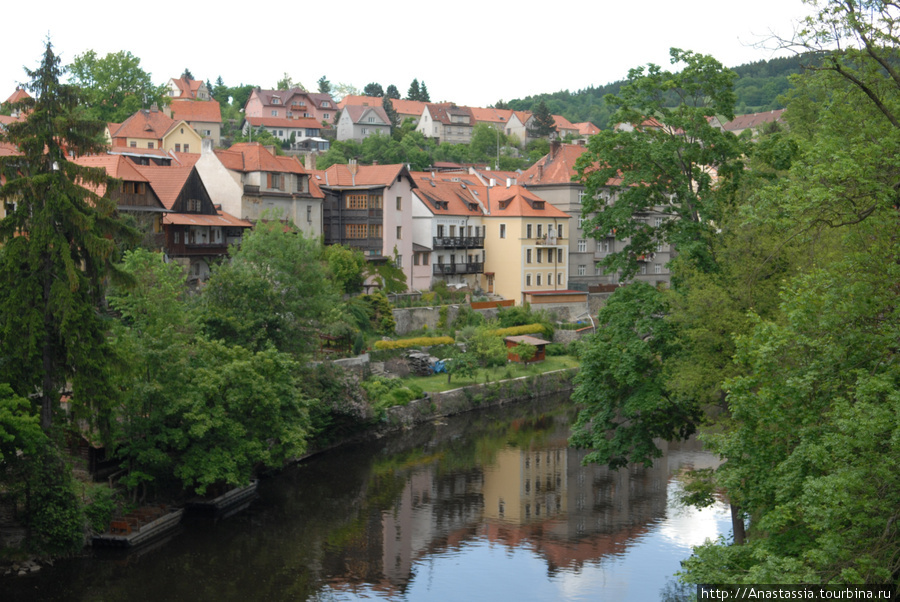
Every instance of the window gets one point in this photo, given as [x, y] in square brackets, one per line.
[375, 201]
[539, 230]
[539, 255]
[502, 230]
[276, 100]
[527, 279]
[274, 112]
[425, 258]
[559, 256]
[133, 144]
[325, 103]
[658, 222]
[598, 271]
[559, 278]
[643, 268]
[399, 203]
[375, 231]
[194, 205]
[371, 120]
[527, 255]
[582, 245]
[452, 231]
[399, 262]
[581, 223]
[365, 131]
[549, 278]
[356, 201]
[149, 145]
[326, 116]
[581, 195]
[309, 214]
[528, 231]
[182, 130]
[356, 231]
[177, 237]
[440, 231]
[281, 133]
[559, 231]
[187, 148]
[416, 258]
[582, 269]
[538, 280]
[657, 268]
[399, 232]
[660, 247]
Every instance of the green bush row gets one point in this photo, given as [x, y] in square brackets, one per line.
[517, 330]
[416, 342]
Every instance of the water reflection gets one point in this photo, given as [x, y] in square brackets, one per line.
[487, 506]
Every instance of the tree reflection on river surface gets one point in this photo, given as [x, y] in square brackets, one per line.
[487, 506]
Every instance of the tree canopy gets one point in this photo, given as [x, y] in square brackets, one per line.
[114, 86]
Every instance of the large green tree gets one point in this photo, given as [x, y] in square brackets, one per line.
[667, 159]
[59, 246]
[114, 86]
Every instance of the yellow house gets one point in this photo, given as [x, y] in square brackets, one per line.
[526, 245]
[151, 129]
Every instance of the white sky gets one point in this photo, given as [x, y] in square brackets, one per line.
[470, 52]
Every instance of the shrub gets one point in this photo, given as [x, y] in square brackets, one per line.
[555, 349]
[518, 330]
[416, 342]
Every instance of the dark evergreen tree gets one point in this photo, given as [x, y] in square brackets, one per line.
[59, 242]
[543, 120]
[324, 85]
[187, 74]
[392, 92]
[413, 93]
[388, 106]
[423, 93]
[373, 89]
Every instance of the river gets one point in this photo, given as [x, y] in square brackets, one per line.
[490, 505]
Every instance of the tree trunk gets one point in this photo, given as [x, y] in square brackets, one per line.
[737, 525]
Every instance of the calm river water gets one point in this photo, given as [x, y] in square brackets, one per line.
[487, 506]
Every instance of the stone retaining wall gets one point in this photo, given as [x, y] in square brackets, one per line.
[465, 399]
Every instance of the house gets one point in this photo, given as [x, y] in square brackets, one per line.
[358, 122]
[405, 109]
[520, 126]
[540, 345]
[197, 234]
[586, 129]
[526, 244]
[183, 88]
[294, 103]
[205, 117]
[448, 229]
[755, 122]
[303, 133]
[446, 122]
[552, 178]
[564, 128]
[369, 207]
[16, 96]
[496, 118]
[152, 129]
[253, 183]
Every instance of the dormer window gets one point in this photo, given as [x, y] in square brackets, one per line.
[326, 104]
[371, 120]
[276, 100]
[538, 205]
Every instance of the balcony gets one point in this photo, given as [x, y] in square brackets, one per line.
[447, 269]
[458, 242]
[547, 241]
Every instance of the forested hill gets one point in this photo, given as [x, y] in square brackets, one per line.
[758, 87]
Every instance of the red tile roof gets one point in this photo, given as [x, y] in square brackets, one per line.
[357, 112]
[145, 124]
[517, 201]
[562, 123]
[451, 193]
[207, 111]
[444, 113]
[754, 120]
[586, 128]
[8, 119]
[558, 169]
[285, 122]
[491, 115]
[367, 175]
[167, 181]
[197, 219]
[188, 87]
[18, 95]
[253, 156]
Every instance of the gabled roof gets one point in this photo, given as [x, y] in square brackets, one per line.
[357, 112]
[402, 107]
[499, 177]
[116, 166]
[127, 151]
[167, 181]
[198, 219]
[8, 119]
[285, 97]
[562, 123]
[586, 128]
[450, 193]
[207, 111]
[18, 95]
[252, 156]
[148, 124]
[517, 201]
[444, 113]
[556, 167]
[339, 175]
[491, 115]
[285, 122]
[187, 87]
[754, 120]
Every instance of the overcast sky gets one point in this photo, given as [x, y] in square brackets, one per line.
[469, 52]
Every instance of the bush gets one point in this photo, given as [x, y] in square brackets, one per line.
[555, 349]
[100, 507]
[519, 330]
[416, 342]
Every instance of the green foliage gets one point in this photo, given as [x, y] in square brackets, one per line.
[543, 120]
[416, 342]
[487, 347]
[392, 92]
[622, 383]
[114, 86]
[20, 429]
[387, 392]
[346, 268]
[381, 312]
[59, 244]
[100, 506]
[525, 352]
[324, 85]
[518, 330]
[373, 89]
[53, 515]
[387, 274]
[443, 313]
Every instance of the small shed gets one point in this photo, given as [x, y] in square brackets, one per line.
[514, 341]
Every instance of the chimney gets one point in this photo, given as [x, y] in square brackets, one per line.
[310, 161]
[354, 168]
[154, 108]
[554, 149]
[206, 146]
[493, 182]
[510, 182]
[540, 169]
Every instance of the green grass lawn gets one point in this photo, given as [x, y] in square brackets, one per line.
[438, 382]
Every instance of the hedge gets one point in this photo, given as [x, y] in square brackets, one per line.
[416, 342]
[517, 330]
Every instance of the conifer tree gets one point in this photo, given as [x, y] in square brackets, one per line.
[423, 93]
[413, 92]
[59, 242]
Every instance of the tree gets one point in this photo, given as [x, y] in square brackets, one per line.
[59, 245]
[373, 89]
[186, 74]
[115, 86]
[525, 352]
[341, 90]
[388, 275]
[544, 125]
[392, 92]
[664, 162]
[287, 83]
[388, 107]
[324, 85]
[347, 268]
[273, 292]
[414, 93]
[423, 93]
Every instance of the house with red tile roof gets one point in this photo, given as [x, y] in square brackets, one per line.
[196, 232]
[303, 133]
[153, 129]
[754, 122]
[554, 177]
[358, 122]
[446, 122]
[587, 129]
[521, 125]
[15, 97]
[205, 116]
[250, 181]
[497, 118]
[526, 244]
[448, 229]
[369, 207]
[183, 88]
[405, 109]
[295, 103]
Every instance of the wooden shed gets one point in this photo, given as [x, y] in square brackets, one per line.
[514, 341]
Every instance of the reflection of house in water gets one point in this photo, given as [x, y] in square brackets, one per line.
[523, 485]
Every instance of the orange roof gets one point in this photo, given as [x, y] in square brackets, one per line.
[451, 193]
[285, 122]
[7, 119]
[491, 115]
[196, 110]
[116, 166]
[517, 201]
[167, 181]
[188, 87]
[147, 124]
[753, 120]
[18, 95]
[562, 123]
[253, 156]
[7, 149]
[554, 168]
[586, 128]
[198, 219]
[444, 112]
[186, 159]
[367, 175]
